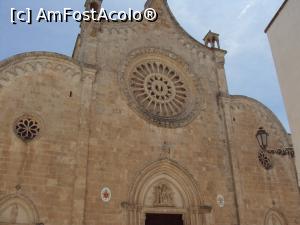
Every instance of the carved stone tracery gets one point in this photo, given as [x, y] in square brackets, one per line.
[27, 128]
[160, 88]
[264, 159]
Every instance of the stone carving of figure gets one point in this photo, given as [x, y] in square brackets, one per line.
[165, 151]
[14, 213]
[163, 195]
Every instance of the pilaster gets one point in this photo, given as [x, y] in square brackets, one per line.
[87, 80]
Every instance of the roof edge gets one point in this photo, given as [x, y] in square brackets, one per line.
[178, 25]
[47, 54]
[276, 15]
[266, 108]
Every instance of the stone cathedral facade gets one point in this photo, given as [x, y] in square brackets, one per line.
[137, 128]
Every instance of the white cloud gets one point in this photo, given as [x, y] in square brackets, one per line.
[249, 5]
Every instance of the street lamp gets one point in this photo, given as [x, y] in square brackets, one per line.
[262, 139]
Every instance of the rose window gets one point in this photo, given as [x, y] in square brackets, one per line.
[264, 160]
[27, 128]
[159, 89]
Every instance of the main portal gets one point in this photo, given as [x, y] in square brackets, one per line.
[164, 219]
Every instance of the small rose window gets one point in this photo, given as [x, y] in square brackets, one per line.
[264, 160]
[27, 128]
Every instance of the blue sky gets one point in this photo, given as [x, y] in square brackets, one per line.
[249, 64]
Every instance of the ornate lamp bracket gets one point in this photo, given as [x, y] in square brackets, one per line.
[263, 154]
[283, 151]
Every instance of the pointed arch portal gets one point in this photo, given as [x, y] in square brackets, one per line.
[165, 191]
[274, 217]
[17, 209]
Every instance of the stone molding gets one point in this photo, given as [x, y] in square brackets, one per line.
[194, 211]
[19, 200]
[274, 217]
[33, 62]
[26, 63]
[244, 103]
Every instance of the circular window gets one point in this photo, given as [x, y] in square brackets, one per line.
[27, 128]
[158, 89]
[264, 160]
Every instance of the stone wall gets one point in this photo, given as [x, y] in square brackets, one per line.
[192, 140]
[49, 89]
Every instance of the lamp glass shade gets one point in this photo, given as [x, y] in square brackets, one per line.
[262, 138]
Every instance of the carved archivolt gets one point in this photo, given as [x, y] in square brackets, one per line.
[160, 88]
[171, 172]
[17, 209]
[274, 218]
[165, 187]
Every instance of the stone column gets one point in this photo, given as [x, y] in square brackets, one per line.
[142, 218]
[133, 213]
[194, 212]
[204, 213]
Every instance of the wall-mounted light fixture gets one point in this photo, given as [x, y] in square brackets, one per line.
[262, 139]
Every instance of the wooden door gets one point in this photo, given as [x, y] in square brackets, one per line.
[164, 219]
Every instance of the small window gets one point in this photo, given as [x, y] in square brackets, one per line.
[27, 128]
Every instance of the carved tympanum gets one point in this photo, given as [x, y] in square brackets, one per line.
[163, 196]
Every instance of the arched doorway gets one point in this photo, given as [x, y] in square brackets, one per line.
[274, 218]
[163, 219]
[165, 191]
[17, 209]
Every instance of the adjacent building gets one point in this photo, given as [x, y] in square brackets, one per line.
[284, 35]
